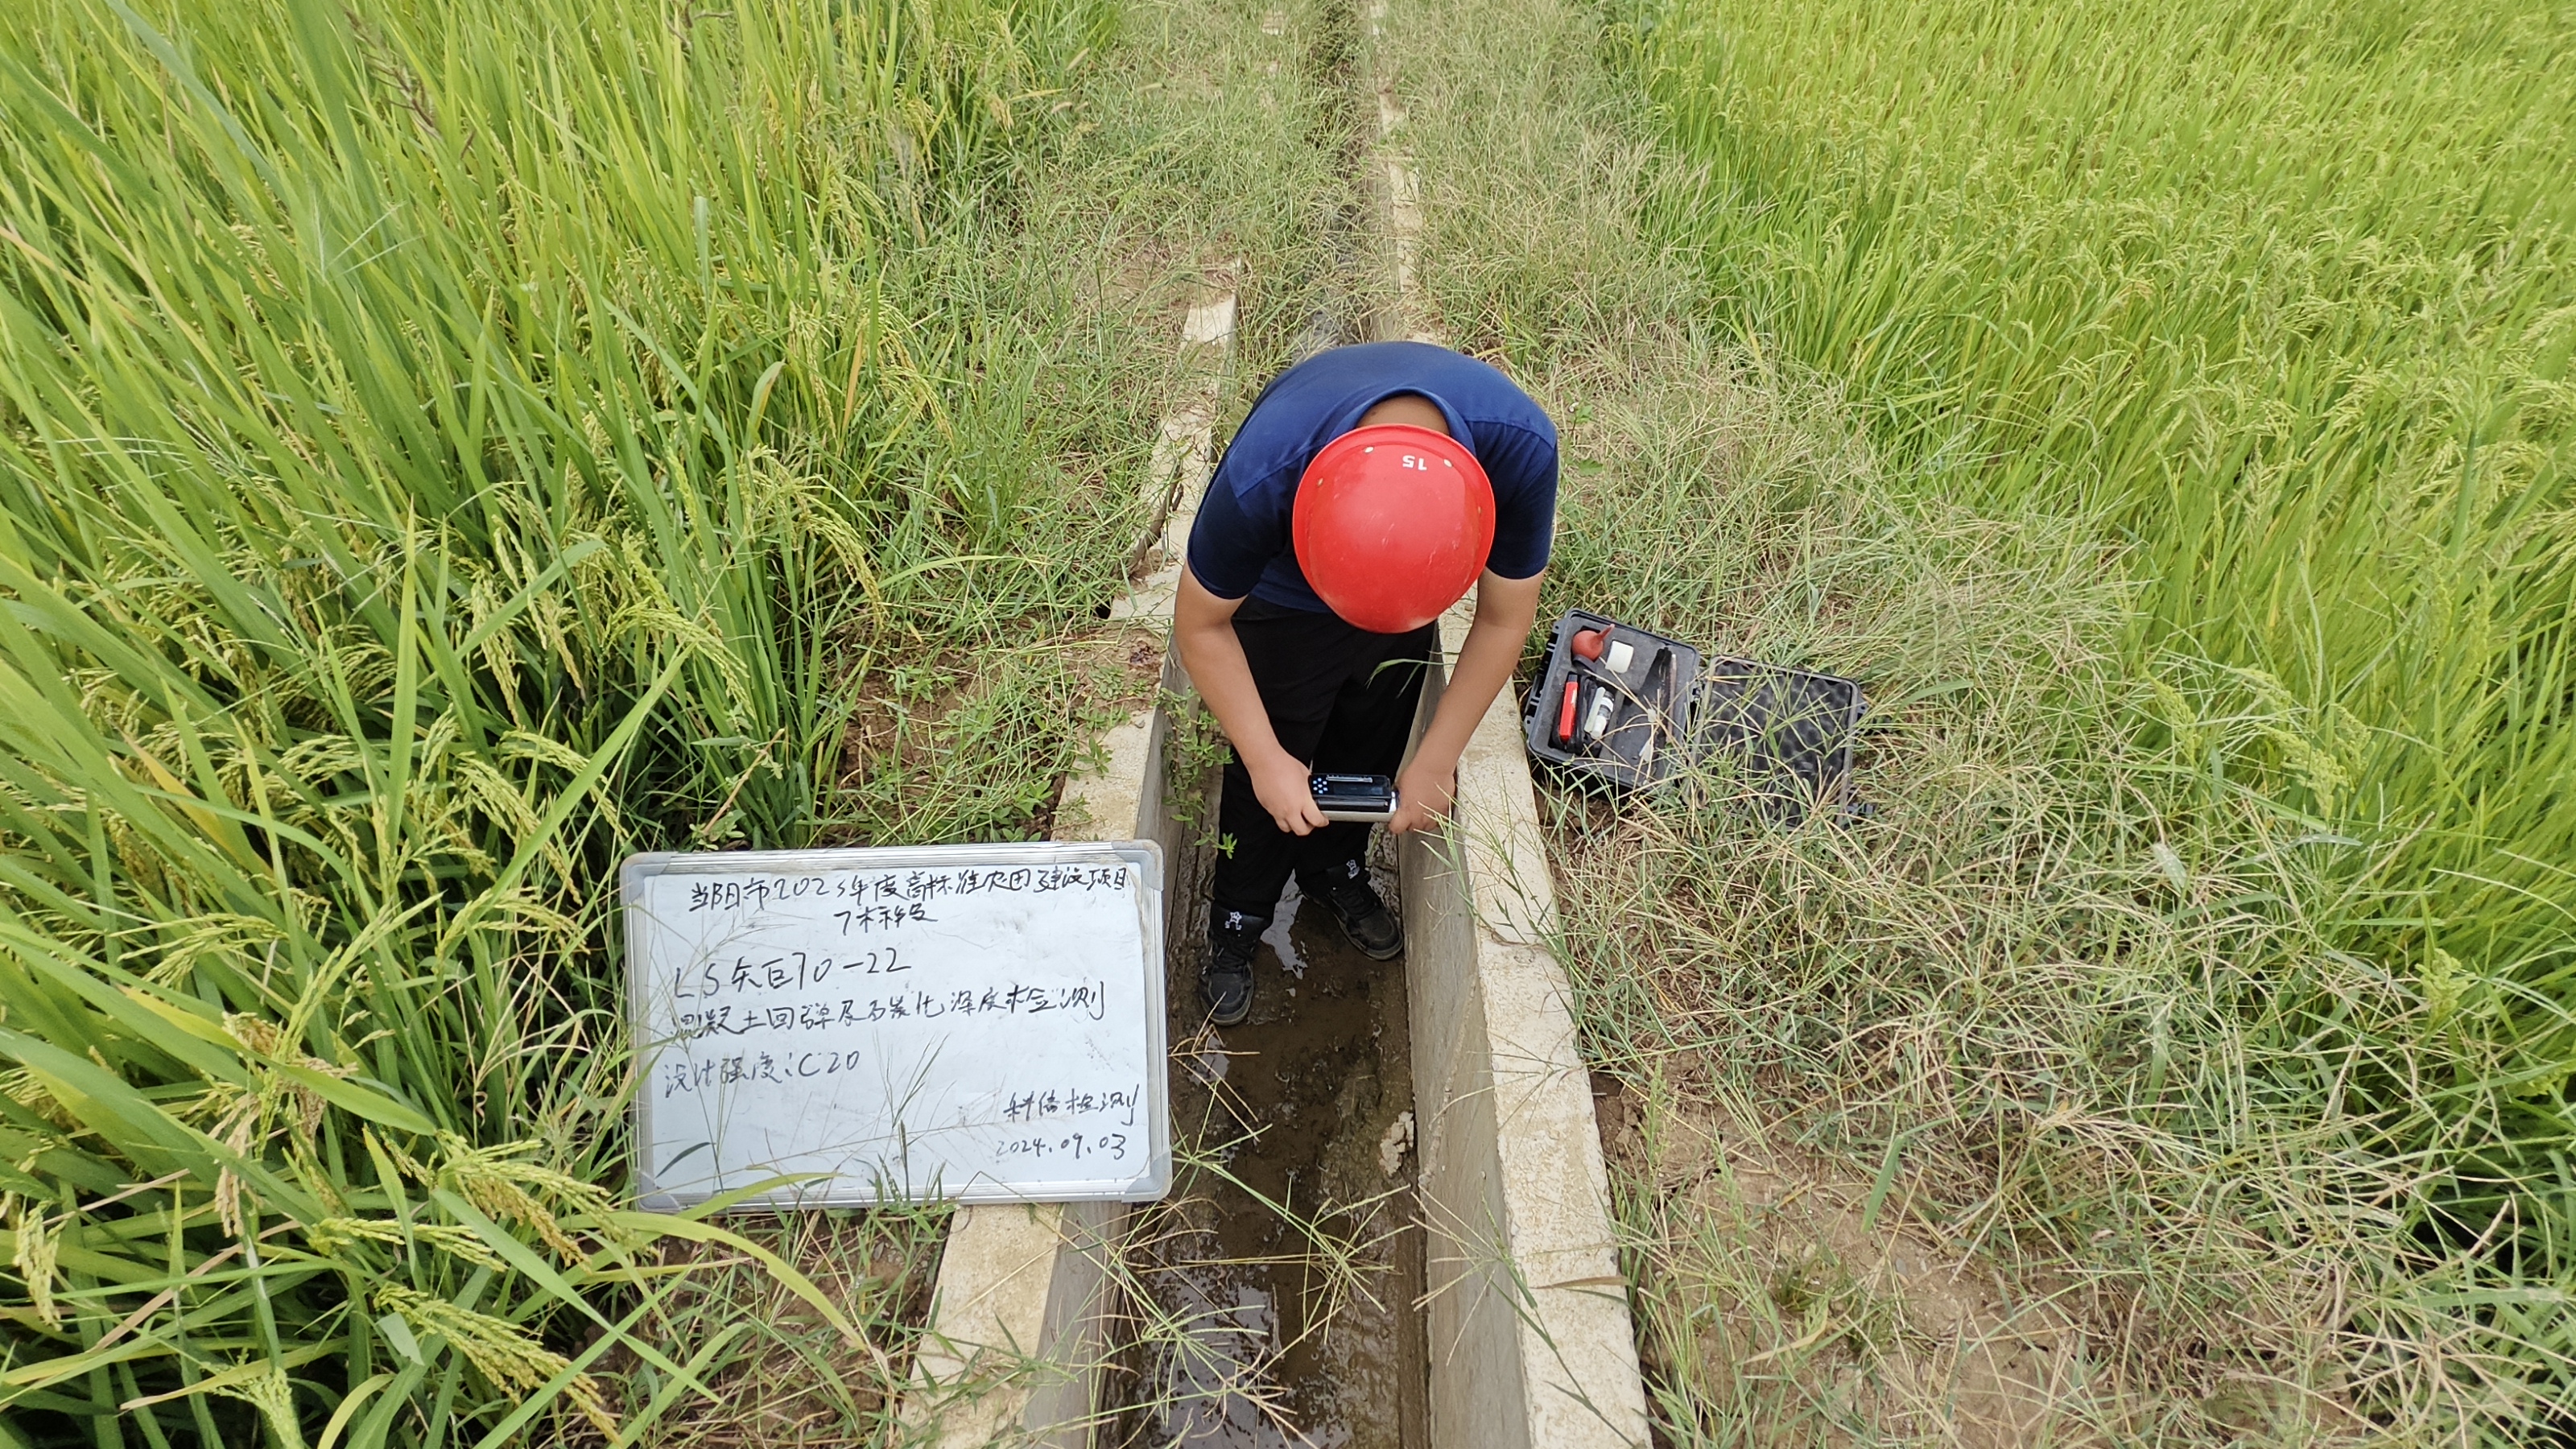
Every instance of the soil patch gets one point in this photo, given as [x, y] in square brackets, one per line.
[1819, 1289]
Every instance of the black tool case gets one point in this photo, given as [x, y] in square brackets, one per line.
[1672, 708]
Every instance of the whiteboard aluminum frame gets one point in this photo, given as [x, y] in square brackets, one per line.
[843, 1191]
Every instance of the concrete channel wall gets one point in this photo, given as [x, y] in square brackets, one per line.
[1531, 1342]
[1531, 1346]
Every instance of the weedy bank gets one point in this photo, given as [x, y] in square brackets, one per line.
[442, 449]
[2175, 1057]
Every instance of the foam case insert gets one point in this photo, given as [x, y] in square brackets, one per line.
[1791, 731]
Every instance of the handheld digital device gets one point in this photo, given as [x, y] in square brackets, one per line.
[1354, 797]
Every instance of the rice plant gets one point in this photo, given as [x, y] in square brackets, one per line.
[442, 448]
[2279, 298]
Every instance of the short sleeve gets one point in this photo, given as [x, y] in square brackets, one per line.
[1233, 541]
[1522, 467]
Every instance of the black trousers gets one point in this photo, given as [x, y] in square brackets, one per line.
[1339, 698]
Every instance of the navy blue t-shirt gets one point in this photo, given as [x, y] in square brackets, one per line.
[1240, 544]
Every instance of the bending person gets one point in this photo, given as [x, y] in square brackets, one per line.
[1368, 490]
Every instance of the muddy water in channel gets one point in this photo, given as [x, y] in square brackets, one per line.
[1266, 1327]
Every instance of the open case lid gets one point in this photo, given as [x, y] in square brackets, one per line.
[1794, 728]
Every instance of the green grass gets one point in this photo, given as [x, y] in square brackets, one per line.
[444, 448]
[2279, 301]
[2098, 1012]
[2282, 297]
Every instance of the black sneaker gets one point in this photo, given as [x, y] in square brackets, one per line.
[1363, 917]
[1226, 980]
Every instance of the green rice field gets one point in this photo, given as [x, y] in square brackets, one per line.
[2283, 298]
[2276, 303]
[444, 448]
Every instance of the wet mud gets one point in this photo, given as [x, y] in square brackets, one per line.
[1283, 1273]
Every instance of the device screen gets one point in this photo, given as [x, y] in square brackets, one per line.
[1354, 797]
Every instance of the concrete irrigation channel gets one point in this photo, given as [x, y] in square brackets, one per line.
[1501, 1317]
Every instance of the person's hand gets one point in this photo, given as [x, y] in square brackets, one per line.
[1286, 789]
[1422, 795]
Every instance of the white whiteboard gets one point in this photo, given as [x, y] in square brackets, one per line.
[980, 1023]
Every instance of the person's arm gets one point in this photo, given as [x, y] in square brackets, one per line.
[1203, 627]
[1505, 610]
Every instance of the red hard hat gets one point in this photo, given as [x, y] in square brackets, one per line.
[1392, 525]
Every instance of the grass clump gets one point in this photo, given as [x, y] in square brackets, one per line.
[442, 449]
